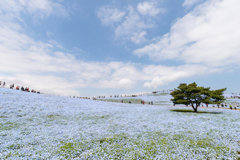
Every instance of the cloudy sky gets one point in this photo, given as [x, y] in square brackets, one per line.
[89, 48]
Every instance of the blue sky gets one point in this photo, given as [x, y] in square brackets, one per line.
[89, 48]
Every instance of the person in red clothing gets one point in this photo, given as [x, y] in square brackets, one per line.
[143, 102]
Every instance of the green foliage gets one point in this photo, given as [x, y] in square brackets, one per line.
[194, 95]
[133, 100]
[8, 126]
[141, 146]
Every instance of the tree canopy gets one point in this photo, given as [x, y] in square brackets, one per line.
[194, 95]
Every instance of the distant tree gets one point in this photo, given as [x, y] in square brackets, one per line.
[194, 95]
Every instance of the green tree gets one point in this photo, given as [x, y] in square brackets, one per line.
[194, 95]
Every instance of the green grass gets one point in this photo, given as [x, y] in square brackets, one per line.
[14, 146]
[8, 125]
[159, 94]
[97, 117]
[192, 111]
[134, 101]
[142, 146]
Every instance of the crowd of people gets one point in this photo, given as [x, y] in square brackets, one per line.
[3, 84]
[225, 105]
[26, 89]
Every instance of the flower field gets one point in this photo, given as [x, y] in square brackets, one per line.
[34, 126]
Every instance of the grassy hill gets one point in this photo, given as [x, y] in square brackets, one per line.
[34, 126]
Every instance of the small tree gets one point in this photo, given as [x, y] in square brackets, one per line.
[194, 95]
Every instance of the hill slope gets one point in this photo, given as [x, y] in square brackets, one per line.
[53, 127]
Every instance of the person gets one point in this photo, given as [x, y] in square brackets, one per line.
[152, 103]
[4, 84]
[130, 102]
[235, 107]
[17, 88]
[218, 105]
[143, 102]
[121, 101]
[230, 106]
[206, 105]
[0, 83]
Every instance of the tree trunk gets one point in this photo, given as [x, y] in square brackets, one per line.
[194, 108]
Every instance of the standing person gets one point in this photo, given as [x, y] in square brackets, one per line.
[0, 83]
[4, 84]
[143, 102]
[206, 105]
[230, 106]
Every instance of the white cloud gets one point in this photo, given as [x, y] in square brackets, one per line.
[129, 24]
[148, 8]
[133, 27]
[126, 83]
[189, 3]
[36, 65]
[208, 35]
[38, 9]
[162, 75]
[110, 15]
[138, 37]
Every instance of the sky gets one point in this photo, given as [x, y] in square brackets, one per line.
[90, 48]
